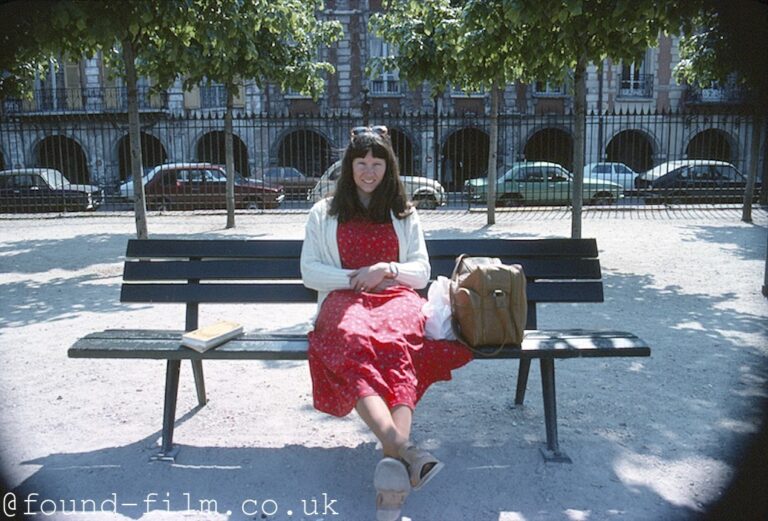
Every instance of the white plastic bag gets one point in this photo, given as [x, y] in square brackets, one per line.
[437, 309]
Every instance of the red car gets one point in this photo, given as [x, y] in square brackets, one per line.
[204, 186]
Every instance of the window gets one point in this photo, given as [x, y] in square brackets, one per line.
[389, 81]
[460, 93]
[533, 175]
[546, 88]
[729, 173]
[293, 93]
[213, 96]
[636, 82]
[24, 181]
[556, 175]
[169, 178]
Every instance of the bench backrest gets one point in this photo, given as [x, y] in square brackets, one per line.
[267, 271]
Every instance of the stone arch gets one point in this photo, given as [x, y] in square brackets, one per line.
[152, 154]
[306, 150]
[550, 144]
[210, 149]
[403, 146]
[631, 147]
[711, 143]
[64, 154]
[464, 156]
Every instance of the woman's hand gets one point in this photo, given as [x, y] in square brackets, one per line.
[371, 278]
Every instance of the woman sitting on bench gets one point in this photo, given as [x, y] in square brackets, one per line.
[364, 253]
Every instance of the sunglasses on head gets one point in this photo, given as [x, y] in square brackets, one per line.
[376, 129]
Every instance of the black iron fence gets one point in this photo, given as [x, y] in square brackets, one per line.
[62, 162]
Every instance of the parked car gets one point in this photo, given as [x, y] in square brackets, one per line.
[45, 190]
[295, 183]
[425, 193]
[204, 186]
[126, 188]
[540, 182]
[701, 182]
[644, 179]
[618, 173]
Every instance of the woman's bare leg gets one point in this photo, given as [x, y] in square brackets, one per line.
[392, 428]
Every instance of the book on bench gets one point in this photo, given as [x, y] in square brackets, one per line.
[205, 338]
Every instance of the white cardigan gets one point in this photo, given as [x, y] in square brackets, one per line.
[321, 264]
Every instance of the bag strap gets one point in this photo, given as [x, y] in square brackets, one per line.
[457, 266]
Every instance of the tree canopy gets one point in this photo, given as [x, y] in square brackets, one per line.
[485, 44]
[266, 41]
[728, 40]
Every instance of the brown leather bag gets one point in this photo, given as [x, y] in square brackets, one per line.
[488, 302]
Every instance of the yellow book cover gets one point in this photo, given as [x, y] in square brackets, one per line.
[204, 338]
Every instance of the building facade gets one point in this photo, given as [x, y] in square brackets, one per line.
[639, 115]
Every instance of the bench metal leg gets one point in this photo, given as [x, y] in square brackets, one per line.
[552, 452]
[522, 380]
[167, 451]
[197, 370]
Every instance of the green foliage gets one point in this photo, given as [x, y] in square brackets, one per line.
[727, 41]
[474, 43]
[25, 50]
[427, 38]
[265, 40]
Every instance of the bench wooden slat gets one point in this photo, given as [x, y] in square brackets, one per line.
[222, 293]
[227, 248]
[555, 268]
[164, 344]
[492, 247]
[227, 293]
[212, 269]
[220, 248]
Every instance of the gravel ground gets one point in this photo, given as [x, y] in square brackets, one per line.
[650, 439]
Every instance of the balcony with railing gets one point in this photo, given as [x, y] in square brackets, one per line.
[385, 87]
[636, 86]
[84, 100]
[715, 94]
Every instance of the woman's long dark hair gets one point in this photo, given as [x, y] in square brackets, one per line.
[389, 197]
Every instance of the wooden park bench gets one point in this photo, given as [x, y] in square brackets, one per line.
[252, 272]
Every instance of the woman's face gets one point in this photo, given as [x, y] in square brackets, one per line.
[368, 172]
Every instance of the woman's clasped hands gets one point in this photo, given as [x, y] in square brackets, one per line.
[372, 279]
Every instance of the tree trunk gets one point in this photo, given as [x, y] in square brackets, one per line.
[580, 119]
[758, 136]
[134, 138]
[436, 159]
[765, 274]
[491, 203]
[229, 155]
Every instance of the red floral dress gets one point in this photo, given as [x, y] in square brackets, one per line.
[367, 343]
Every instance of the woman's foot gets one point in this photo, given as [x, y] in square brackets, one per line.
[392, 487]
[422, 465]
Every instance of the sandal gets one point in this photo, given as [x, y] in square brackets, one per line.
[392, 487]
[422, 465]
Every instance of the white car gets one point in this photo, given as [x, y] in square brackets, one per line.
[618, 173]
[126, 188]
[425, 193]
